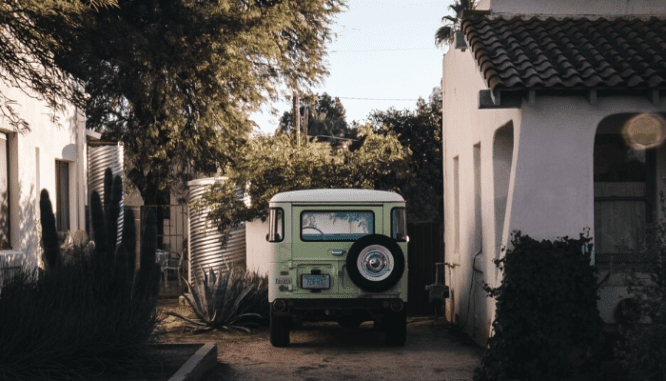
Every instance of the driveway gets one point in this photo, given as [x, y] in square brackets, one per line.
[326, 351]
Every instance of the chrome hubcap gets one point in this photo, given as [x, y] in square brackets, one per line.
[375, 262]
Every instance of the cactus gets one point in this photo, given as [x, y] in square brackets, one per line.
[112, 264]
[99, 226]
[49, 232]
[126, 252]
[108, 185]
[112, 210]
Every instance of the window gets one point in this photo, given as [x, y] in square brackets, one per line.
[336, 226]
[62, 195]
[398, 224]
[4, 193]
[623, 195]
[275, 225]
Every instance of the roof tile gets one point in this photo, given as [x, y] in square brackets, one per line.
[521, 53]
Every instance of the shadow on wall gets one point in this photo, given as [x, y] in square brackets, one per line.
[4, 221]
[28, 216]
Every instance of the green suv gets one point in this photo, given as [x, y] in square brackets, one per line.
[338, 255]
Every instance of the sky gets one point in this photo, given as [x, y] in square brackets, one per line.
[384, 56]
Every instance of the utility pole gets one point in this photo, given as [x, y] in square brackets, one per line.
[296, 116]
[306, 116]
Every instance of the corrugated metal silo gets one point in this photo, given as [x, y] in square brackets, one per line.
[205, 240]
[103, 155]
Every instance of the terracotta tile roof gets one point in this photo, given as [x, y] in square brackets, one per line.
[518, 53]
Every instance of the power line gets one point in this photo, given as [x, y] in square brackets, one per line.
[383, 50]
[378, 99]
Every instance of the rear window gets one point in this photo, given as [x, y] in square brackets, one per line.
[336, 226]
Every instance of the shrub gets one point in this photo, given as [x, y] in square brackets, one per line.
[645, 355]
[237, 299]
[83, 315]
[547, 326]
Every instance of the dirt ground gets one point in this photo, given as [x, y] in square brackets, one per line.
[327, 351]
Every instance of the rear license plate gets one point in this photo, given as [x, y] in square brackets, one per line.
[316, 281]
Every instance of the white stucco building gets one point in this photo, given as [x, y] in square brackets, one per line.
[49, 156]
[535, 102]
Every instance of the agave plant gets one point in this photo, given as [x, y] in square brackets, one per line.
[215, 304]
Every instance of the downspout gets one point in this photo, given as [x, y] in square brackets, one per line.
[78, 167]
[444, 174]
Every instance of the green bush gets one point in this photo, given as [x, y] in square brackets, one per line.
[645, 355]
[85, 315]
[547, 326]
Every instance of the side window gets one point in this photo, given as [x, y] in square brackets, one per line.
[275, 225]
[399, 224]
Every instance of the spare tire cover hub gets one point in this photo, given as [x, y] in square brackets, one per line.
[375, 262]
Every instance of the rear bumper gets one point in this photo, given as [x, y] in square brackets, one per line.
[338, 304]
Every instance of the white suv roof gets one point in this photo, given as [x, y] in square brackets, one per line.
[337, 195]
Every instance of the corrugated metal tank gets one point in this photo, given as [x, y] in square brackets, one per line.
[205, 240]
[103, 155]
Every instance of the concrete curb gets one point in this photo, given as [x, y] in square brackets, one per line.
[202, 361]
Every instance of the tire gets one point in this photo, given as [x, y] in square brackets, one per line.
[395, 328]
[279, 326]
[375, 263]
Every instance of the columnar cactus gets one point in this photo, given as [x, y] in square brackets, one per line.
[112, 210]
[49, 232]
[99, 226]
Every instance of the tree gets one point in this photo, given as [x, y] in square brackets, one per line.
[26, 52]
[419, 132]
[175, 80]
[326, 119]
[444, 34]
[270, 165]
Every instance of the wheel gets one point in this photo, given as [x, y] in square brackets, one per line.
[375, 263]
[395, 328]
[279, 326]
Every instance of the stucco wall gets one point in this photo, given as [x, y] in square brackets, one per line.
[548, 192]
[256, 246]
[32, 160]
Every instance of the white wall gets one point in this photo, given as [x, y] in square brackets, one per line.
[257, 249]
[549, 189]
[33, 158]
[575, 7]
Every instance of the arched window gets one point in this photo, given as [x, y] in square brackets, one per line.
[624, 188]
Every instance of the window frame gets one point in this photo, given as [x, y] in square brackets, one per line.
[300, 223]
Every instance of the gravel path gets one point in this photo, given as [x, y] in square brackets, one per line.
[327, 351]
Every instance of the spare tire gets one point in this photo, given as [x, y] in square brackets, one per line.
[375, 263]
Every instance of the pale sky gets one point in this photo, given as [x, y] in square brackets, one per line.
[384, 51]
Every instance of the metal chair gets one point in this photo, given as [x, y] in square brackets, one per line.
[172, 263]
